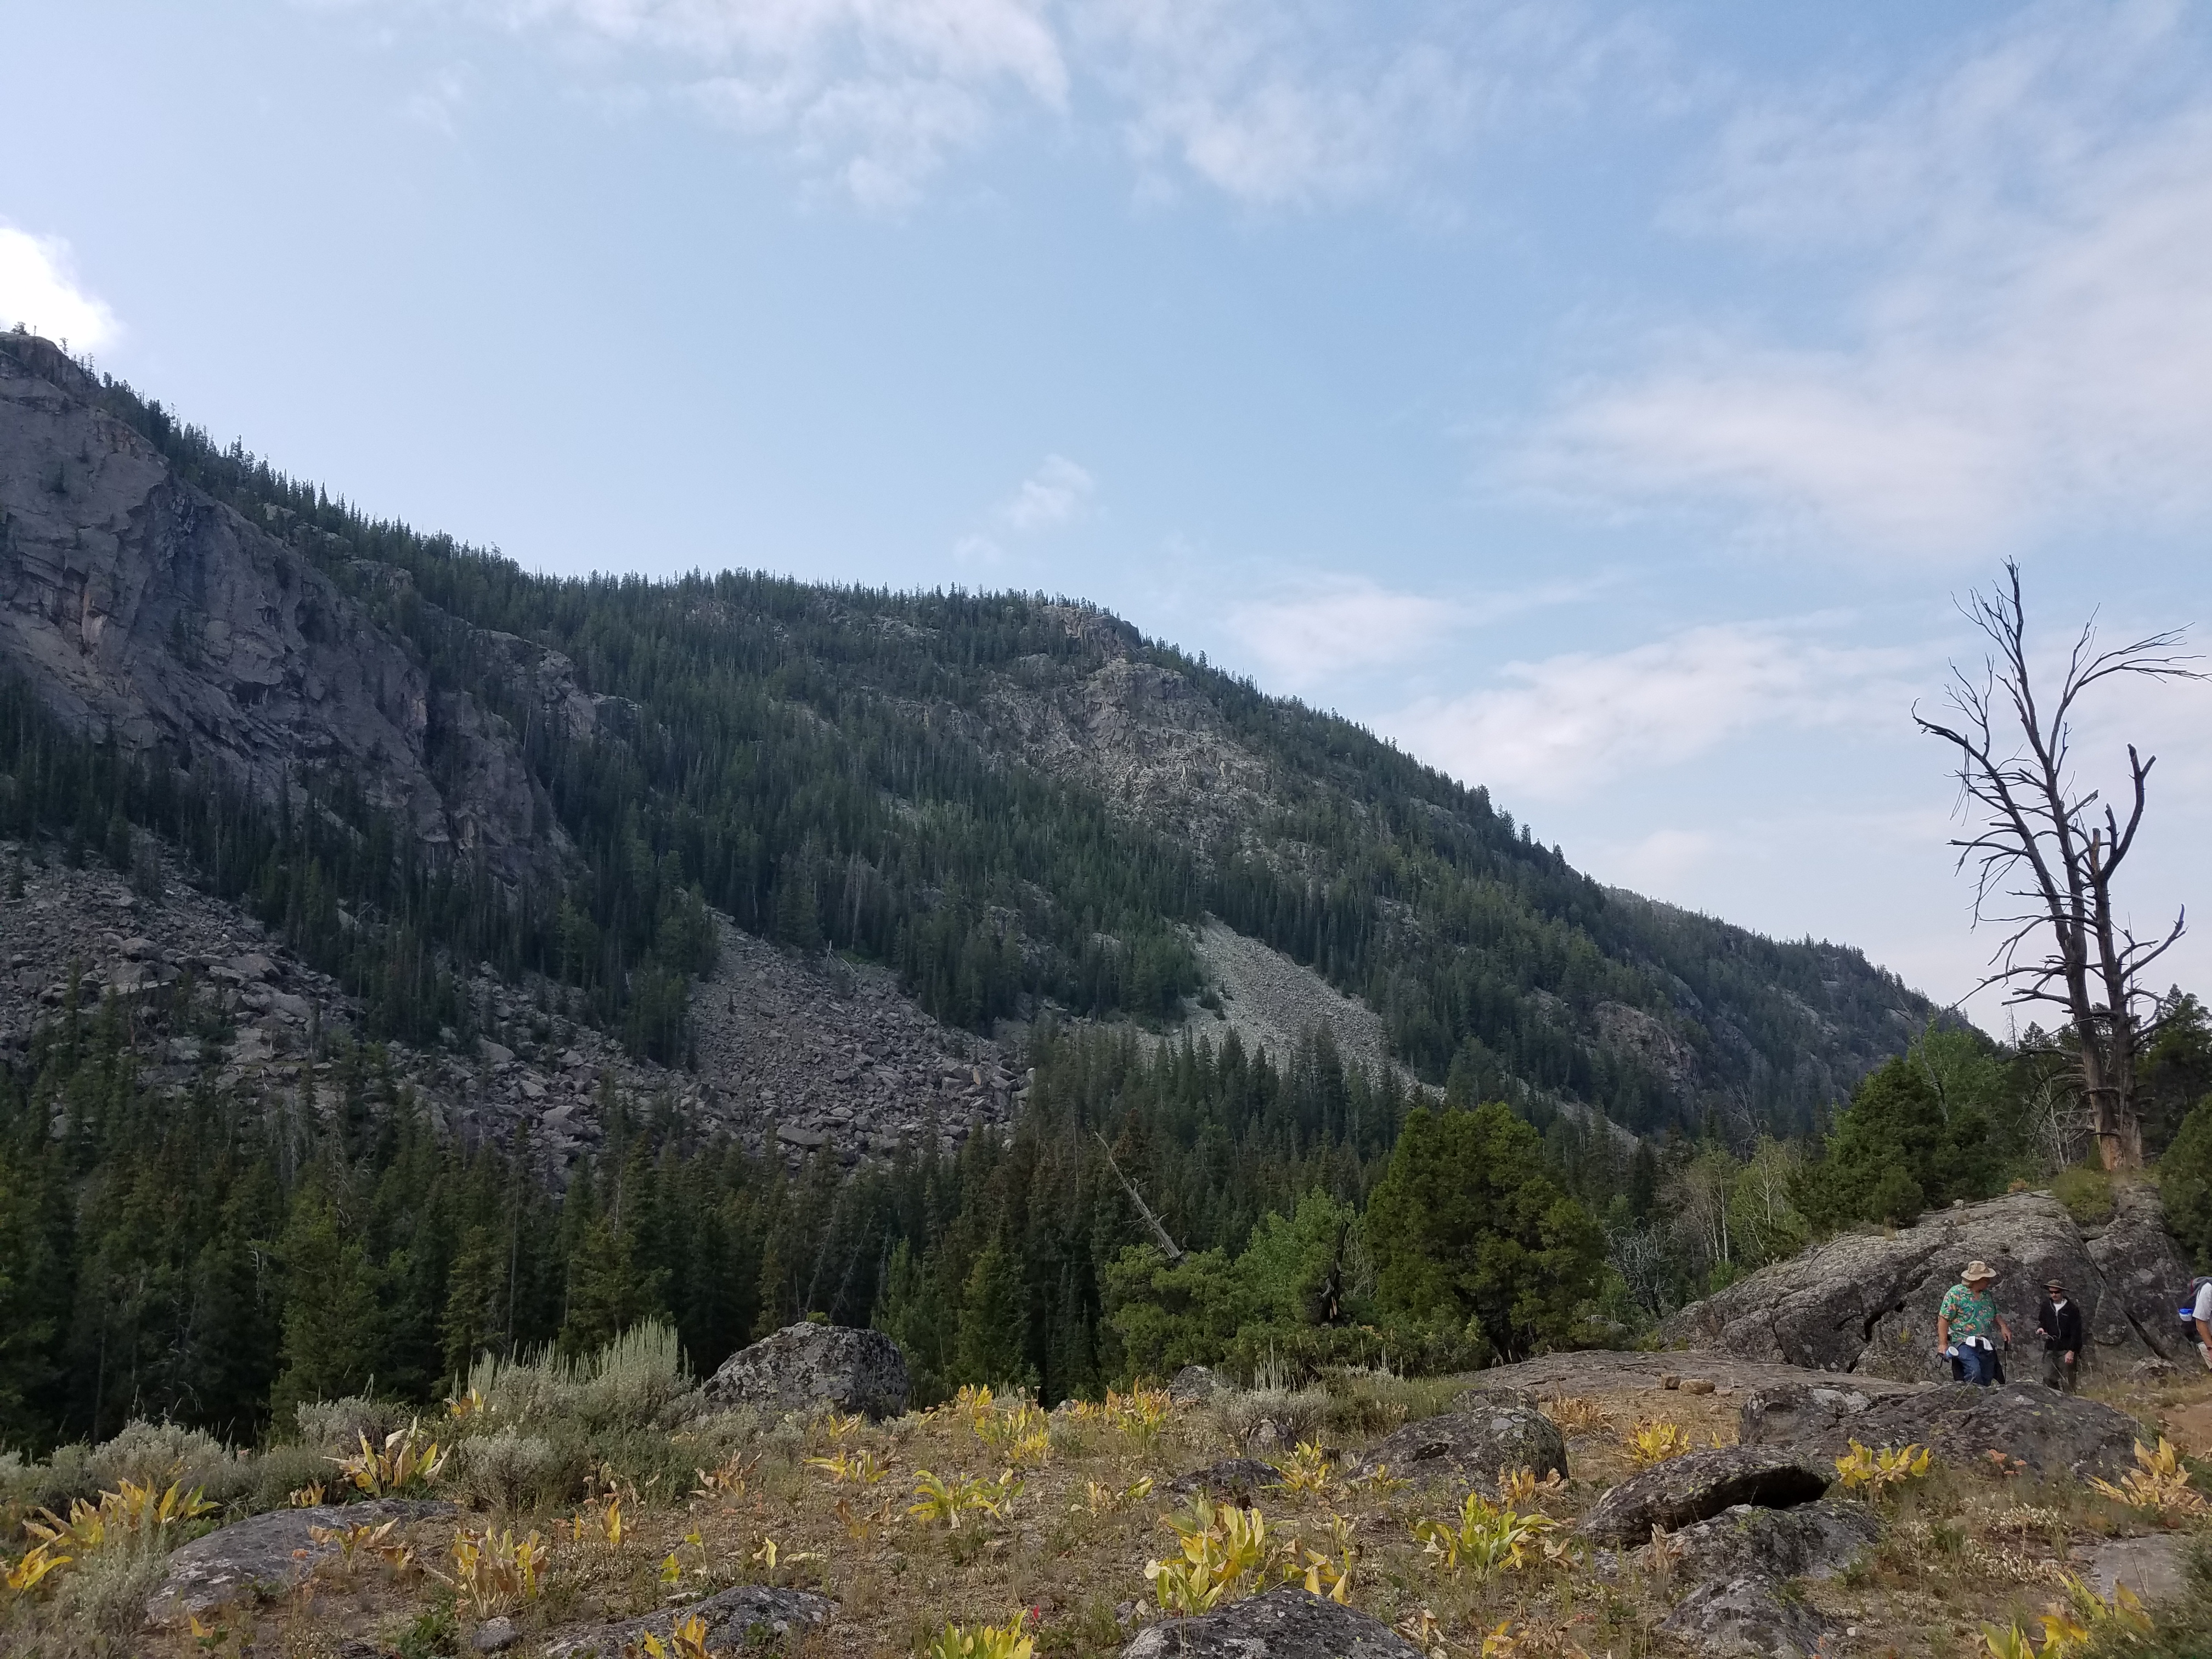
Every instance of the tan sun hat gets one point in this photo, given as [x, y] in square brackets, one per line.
[1978, 1270]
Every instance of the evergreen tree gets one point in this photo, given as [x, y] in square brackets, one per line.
[1470, 1229]
[993, 1324]
[331, 1326]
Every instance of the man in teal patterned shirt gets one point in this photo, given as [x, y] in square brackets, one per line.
[1965, 1321]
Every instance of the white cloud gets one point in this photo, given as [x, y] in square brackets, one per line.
[1331, 101]
[1049, 497]
[874, 94]
[1053, 496]
[1557, 728]
[2030, 342]
[1338, 626]
[39, 289]
[1274, 105]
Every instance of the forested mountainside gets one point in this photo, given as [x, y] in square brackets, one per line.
[409, 754]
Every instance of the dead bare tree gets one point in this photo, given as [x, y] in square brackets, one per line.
[2042, 858]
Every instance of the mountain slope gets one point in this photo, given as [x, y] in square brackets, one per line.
[1017, 803]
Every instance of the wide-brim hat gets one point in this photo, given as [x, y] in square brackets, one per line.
[1978, 1270]
[2054, 1284]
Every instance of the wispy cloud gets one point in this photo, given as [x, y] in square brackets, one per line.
[2031, 341]
[1054, 495]
[1337, 626]
[1557, 728]
[1318, 103]
[1319, 627]
[39, 289]
[874, 95]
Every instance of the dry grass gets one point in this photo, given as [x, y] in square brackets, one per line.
[1067, 1533]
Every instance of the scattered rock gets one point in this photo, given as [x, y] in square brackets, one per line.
[1782, 1414]
[734, 1619]
[803, 1367]
[1697, 1385]
[1234, 1479]
[1807, 1540]
[2153, 1370]
[1670, 1379]
[1739, 1617]
[1192, 1384]
[1699, 1485]
[1283, 1624]
[2052, 1433]
[2155, 1568]
[494, 1635]
[1470, 1446]
[264, 1555]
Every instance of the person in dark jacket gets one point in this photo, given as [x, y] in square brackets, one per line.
[2058, 1322]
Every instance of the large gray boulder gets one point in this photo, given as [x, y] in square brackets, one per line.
[1807, 1540]
[803, 1368]
[1746, 1618]
[1699, 1485]
[264, 1555]
[1283, 1624]
[1866, 1302]
[737, 1619]
[2052, 1433]
[1470, 1446]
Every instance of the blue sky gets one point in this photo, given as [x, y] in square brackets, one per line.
[1603, 402]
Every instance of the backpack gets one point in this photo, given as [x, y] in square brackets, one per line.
[2189, 1308]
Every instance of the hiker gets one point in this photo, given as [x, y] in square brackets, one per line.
[1965, 1321]
[2198, 1316]
[2058, 1322]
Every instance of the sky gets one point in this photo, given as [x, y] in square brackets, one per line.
[1607, 403]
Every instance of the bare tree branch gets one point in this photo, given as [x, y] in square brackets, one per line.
[2040, 841]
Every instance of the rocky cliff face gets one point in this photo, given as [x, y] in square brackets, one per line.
[136, 605]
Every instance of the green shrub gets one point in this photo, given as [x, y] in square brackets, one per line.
[512, 1470]
[154, 1453]
[284, 1469]
[337, 1425]
[2087, 1193]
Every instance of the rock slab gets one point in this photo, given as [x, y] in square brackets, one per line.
[803, 1368]
[1699, 1485]
[1747, 1618]
[2052, 1433]
[1809, 1541]
[1470, 1446]
[264, 1555]
[1283, 1624]
[1865, 1302]
[735, 1618]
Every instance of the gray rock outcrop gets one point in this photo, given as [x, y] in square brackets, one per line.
[1283, 1624]
[1700, 1485]
[1192, 1384]
[134, 602]
[1866, 1302]
[1807, 1540]
[1746, 1618]
[1471, 1445]
[264, 1555]
[737, 1620]
[2052, 1433]
[805, 1368]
